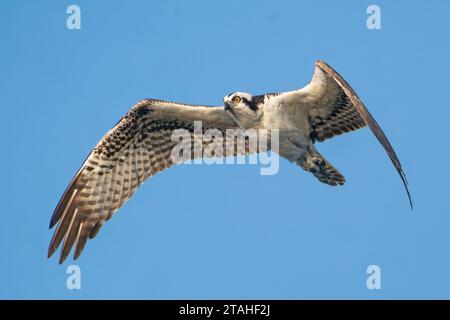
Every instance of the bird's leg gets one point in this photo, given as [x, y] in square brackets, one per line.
[310, 159]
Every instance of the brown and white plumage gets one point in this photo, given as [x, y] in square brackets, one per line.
[352, 121]
[140, 145]
[330, 107]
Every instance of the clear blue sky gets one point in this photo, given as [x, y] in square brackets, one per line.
[226, 231]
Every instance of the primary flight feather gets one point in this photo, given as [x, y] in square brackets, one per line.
[140, 145]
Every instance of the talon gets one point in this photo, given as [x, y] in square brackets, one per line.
[320, 165]
[318, 162]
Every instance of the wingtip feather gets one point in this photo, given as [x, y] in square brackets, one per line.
[371, 122]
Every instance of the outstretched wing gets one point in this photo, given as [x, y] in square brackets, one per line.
[138, 147]
[332, 108]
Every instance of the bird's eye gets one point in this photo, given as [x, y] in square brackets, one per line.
[237, 99]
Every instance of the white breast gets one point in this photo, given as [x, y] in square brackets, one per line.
[278, 116]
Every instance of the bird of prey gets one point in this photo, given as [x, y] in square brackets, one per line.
[140, 144]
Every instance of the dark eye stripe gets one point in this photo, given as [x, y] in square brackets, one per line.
[251, 104]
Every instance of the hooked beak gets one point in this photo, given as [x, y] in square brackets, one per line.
[233, 117]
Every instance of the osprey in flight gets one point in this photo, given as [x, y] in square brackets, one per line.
[140, 145]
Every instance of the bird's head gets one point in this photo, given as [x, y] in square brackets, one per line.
[243, 108]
